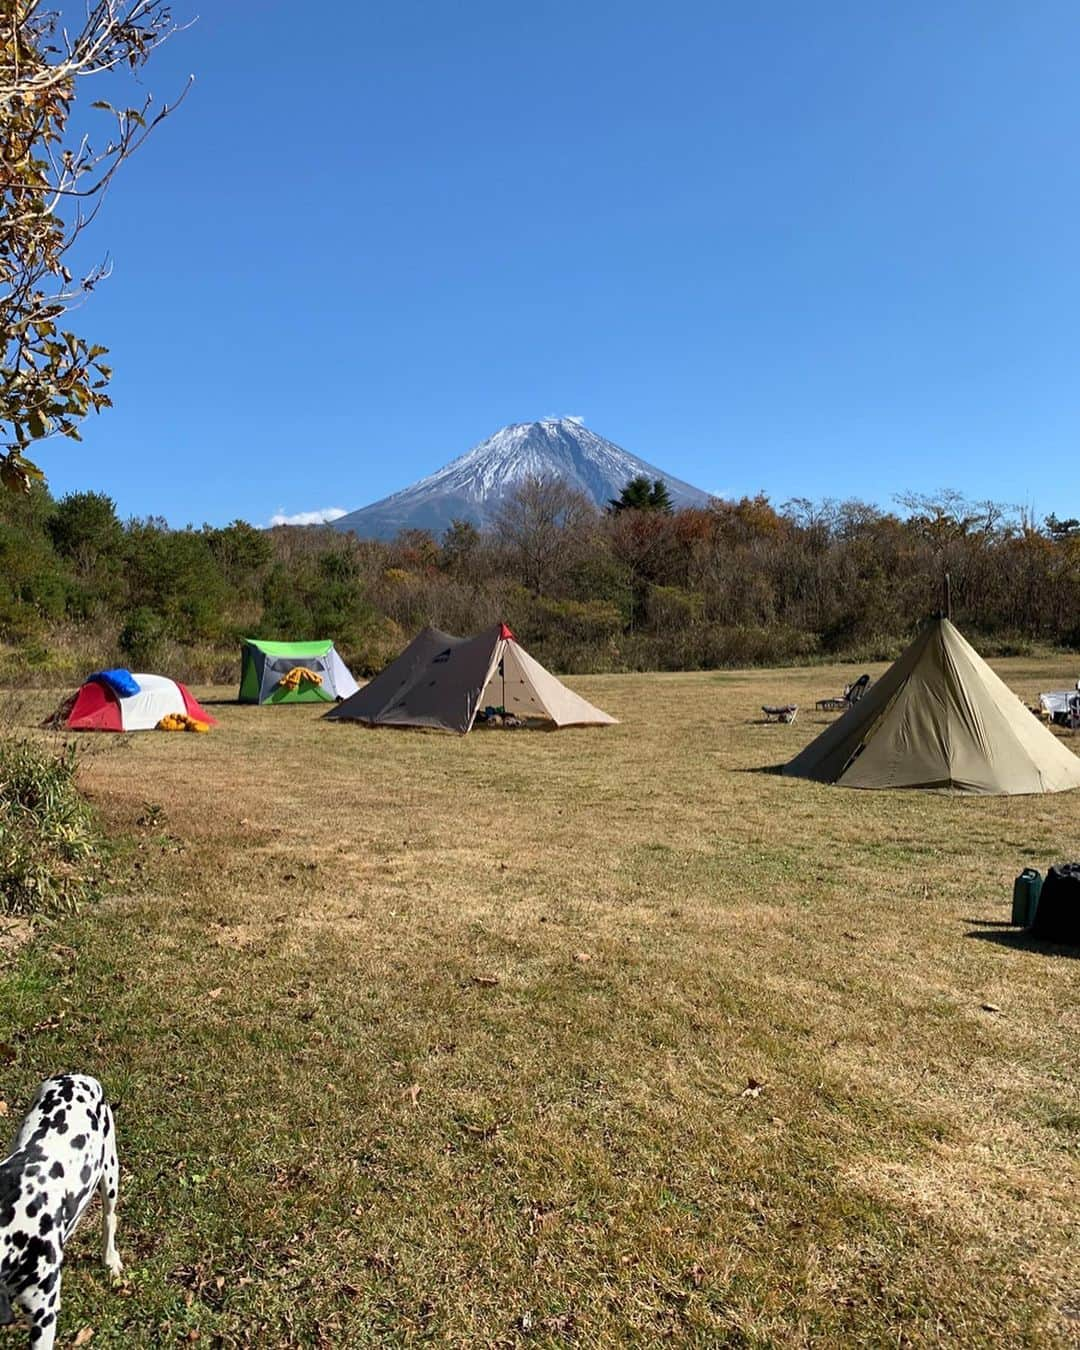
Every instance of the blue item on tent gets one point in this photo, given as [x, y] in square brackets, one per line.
[120, 681]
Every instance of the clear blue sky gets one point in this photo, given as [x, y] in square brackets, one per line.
[819, 249]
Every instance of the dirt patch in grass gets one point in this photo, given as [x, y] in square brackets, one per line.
[598, 1038]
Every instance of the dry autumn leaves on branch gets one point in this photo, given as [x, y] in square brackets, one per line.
[53, 176]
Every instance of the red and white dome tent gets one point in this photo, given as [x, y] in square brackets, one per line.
[99, 707]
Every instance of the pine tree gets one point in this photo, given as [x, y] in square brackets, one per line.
[641, 495]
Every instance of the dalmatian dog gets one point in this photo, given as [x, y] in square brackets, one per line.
[65, 1148]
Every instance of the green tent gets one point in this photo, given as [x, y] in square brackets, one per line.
[265, 672]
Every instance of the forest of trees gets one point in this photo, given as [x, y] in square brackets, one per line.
[636, 587]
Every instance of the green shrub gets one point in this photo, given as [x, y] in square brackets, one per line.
[49, 847]
[141, 638]
[1004, 644]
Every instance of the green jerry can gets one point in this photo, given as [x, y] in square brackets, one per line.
[1026, 889]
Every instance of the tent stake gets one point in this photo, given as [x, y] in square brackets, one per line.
[948, 597]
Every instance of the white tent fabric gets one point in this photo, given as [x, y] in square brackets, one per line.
[157, 697]
[341, 676]
[443, 681]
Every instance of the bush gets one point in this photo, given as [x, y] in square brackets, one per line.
[141, 638]
[49, 847]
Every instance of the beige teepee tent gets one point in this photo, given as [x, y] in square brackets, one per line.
[940, 718]
[443, 681]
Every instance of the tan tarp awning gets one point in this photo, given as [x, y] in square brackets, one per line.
[443, 681]
[940, 718]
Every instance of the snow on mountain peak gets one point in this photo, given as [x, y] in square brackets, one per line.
[473, 486]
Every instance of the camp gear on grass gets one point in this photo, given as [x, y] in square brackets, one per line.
[293, 672]
[1025, 897]
[852, 693]
[939, 718]
[441, 681]
[1057, 918]
[1061, 706]
[182, 722]
[786, 712]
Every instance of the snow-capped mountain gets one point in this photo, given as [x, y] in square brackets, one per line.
[473, 486]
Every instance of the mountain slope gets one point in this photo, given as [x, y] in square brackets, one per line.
[473, 486]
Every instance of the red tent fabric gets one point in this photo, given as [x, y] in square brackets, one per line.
[96, 708]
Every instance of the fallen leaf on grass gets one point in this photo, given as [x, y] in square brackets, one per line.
[412, 1092]
[541, 1218]
[989, 1007]
[7, 1053]
[483, 1131]
[582, 957]
[486, 980]
[85, 1334]
[752, 1089]
[4, 1108]
[216, 993]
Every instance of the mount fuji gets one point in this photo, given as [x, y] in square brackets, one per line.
[473, 486]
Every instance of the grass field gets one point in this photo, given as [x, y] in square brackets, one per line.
[600, 1037]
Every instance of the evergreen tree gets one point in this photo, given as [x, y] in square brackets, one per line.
[640, 494]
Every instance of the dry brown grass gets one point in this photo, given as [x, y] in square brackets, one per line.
[420, 1037]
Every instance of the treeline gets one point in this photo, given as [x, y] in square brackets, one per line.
[740, 583]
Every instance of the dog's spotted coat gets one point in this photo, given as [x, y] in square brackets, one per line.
[65, 1148]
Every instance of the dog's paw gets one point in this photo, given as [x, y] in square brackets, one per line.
[115, 1265]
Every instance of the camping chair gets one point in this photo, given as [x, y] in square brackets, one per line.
[855, 691]
[785, 713]
[851, 695]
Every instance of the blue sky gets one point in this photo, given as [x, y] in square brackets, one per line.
[824, 249]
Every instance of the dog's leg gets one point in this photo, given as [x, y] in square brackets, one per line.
[41, 1307]
[109, 1187]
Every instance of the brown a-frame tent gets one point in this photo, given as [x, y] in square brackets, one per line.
[940, 718]
[443, 681]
